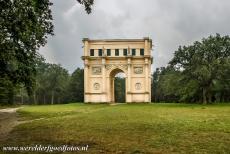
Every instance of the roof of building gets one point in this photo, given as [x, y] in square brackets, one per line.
[116, 40]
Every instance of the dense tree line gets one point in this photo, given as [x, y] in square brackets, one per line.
[53, 85]
[197, 73]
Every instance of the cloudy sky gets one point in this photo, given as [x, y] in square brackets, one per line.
[169, 23]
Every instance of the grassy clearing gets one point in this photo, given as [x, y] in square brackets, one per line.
[128, 128]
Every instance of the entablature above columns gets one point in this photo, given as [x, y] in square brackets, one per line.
[118, 57]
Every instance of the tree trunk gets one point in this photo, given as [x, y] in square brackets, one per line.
[44, 99]
[11, 96]
[221, 97]
[204, 96]
[52, 98]
[21, 96]
[34, 96]
[22, 100]
[209, 98]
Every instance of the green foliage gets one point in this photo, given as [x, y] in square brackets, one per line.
[6, 91]
[76, 86]
[24, 27]
[51, 83]
[55, 85]
[119, 89]
[87, 4]
[199, 72]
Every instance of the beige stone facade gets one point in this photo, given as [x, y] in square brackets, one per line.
[103, 59]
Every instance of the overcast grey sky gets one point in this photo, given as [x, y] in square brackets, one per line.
[169, 23]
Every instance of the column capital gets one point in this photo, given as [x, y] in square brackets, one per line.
[86, 65]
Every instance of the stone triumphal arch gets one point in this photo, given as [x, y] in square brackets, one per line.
[103, 59]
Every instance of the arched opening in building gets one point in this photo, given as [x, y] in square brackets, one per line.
[118, 86]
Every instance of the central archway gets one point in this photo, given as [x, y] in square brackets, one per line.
[116, 77]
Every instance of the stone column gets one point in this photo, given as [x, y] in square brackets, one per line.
[103, 75]
[150, 81]
[129, 75]
[103, 81]
[146, 80]
[147, 70]
[113, 98]
[129, 95]
[146, 75]
[86, 84]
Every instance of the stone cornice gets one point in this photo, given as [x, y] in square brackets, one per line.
[114, 57]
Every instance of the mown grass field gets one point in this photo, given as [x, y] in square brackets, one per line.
[127, 128]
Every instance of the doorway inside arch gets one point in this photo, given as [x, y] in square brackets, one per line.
[118, 86]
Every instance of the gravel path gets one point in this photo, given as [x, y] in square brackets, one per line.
[8, 120]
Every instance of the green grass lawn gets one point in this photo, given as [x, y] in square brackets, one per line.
[127, 128]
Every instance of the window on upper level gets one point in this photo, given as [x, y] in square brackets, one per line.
[100, 52]
[125, 52]
[133, 52]
[142, 52]
[91, 52]
[116, 52]
[108, 52]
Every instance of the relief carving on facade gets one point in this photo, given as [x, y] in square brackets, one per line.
[96, 86]
[138, 70]
[96, 70]
[109, 66]
[138, 86]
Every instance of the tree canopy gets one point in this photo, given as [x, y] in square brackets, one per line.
[198, 72]
[24, 27]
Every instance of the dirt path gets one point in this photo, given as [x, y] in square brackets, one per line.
[8, 120]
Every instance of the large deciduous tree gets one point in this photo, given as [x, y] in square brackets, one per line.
[24, 28]
[205, 63]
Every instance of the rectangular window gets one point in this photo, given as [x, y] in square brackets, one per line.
[100, 52]
[125, 52]
[133, 52]
[116, 52]
[142, 52]
[91, 52]
[108, 52]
